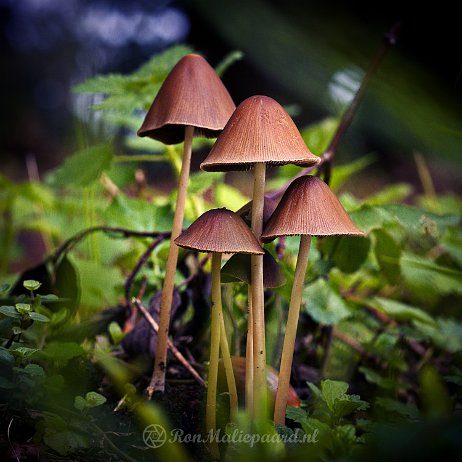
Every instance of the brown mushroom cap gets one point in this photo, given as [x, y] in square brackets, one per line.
[269, 205]
[259, 130]
[192, 94]
[309, 207]
[237, 269]
[219, 230]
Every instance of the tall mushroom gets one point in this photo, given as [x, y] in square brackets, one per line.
[259, 132]
[191, 102]
[219, 231]
[308, 208]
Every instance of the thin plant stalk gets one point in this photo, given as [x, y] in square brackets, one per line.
[211, 406]
[229, 372]
[291, 331]
[249, 356]
[258, 313]
[158, 377]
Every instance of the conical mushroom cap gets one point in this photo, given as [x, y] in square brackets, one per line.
[192, 94]
[259, 130]
[309, 207]
[220, 230]
[269, 205]
[237, 269]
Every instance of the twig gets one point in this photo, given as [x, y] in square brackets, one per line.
[390, 40]
[141, 262]
[72, 241]
[152, 322]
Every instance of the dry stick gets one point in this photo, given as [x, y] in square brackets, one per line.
[249, 355]
[291, 331]
[178, 355]
[211, 406]
[158, 377]
[389, 40]
[258, 313]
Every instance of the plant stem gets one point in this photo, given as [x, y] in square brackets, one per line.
[258, 313]
[211, 407]
[390, 39]
[158, 377]
[249, 357]
[228, 366]
[291, 331]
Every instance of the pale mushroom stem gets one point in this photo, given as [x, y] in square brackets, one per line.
[291, 331]
[228, 366]
[160, 363]
[249, 356]
[217, 314]
[258, 313]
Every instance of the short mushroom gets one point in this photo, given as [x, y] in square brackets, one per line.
[219, 231]
[259, 132]
[308, 208]
[192, 101]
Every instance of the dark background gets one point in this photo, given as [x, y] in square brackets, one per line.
[293, 51]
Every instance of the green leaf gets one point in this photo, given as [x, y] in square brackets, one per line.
[23, 352]
[347, 253]
[67, 441]
[84, 167]
[446, 334]
[9, 311]
[230, 197]
[227, 61]
[333, 390]
[400, 311]
[94, 399]
[341, 173]
[23, 308]
[31, 285]
[393, 193]
[201, 181]
[427, 278]
[408, 410]
[368, 218]
[318, 135]
[79, 403]
[434, 395]
[39, 317]
[34, 370]
[4, 288]
[115, 332]
[6, 357]
[324, 304]
[375, 378]
[62, 351]
[452, 241]
[387, 252]
[138, 214]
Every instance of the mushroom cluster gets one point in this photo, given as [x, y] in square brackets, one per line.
[259, 132]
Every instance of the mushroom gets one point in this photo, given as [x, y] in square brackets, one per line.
[259, 132]
[308, 208]
[191, 102]
[219, 231]
[236, 269]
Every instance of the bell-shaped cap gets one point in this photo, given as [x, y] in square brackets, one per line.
[192, 94]
[220, 230]
[237, 269]
[269, 205]
[309, 207]
[259, 130]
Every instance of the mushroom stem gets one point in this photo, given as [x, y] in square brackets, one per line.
[211, 407]
[158, 377]
[258, 313]
[228, 366]
[249, 356]
[291, 331]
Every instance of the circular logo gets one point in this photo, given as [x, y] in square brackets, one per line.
[154, 436]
